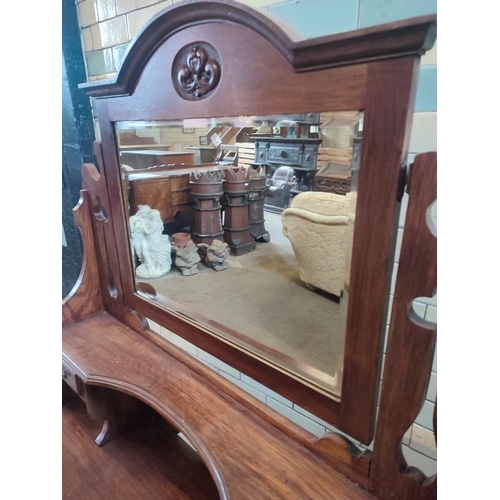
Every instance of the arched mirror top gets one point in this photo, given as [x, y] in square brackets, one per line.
[406, 37]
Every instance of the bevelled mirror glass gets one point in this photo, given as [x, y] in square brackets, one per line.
[245, 226]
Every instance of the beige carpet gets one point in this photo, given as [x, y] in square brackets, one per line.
[262, 297]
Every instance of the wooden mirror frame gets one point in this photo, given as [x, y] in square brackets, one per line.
[264, 71]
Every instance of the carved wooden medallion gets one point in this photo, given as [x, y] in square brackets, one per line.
[196, 71]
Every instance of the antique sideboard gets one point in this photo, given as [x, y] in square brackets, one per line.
[217, 58]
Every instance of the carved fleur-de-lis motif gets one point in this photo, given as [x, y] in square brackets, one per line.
[199, 74]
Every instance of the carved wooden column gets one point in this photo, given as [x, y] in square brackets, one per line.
[236, 186]
[206, 188]
[256, 204]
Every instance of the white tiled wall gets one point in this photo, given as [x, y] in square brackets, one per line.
[107, 28]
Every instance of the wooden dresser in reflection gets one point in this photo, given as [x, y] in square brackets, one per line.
[333, 178]
[144, 158]
[165, 189]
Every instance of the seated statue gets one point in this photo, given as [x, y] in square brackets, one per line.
[151, 246]
[215, 254]
[187, 258]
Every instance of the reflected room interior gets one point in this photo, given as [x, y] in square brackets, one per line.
[245, 225]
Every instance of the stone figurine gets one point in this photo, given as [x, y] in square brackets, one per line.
[151, 246]
[187, 258]
[215, 254]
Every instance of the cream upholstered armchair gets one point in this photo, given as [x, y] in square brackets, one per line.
[317, 226]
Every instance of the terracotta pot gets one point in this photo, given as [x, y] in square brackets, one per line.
[180, 240]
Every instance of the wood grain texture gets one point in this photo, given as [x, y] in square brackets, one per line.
[335, 449]
[376, 42]
[247, 457]
[308, 397]
[410, 347]
[149, 461]
[104, 243]
[85, 298]
[153, 99]
[319, 403]
[117, 411]
[388, 113]
[263, 72]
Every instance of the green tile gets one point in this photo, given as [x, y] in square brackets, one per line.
[426, 99]
[315, 18]
[118, 54]
[378, 12]
[95, 63]
[108, 61]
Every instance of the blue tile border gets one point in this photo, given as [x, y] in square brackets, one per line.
[315, 18]
[373, 12]
[95, 63]
[426, 99]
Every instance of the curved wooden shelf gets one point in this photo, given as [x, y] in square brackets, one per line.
[247, 456]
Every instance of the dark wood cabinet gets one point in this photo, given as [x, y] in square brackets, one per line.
[300, 154]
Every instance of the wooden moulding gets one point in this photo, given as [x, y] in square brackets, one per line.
[374, 70]
[103, 232]
[410, 347]
[85, 298]
[377, 42]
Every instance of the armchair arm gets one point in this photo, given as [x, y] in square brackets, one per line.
[325, 220]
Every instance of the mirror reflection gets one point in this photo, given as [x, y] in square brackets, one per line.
[245, 225]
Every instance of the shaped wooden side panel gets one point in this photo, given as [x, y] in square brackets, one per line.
[410, 347]
[85, 298]
[105, 246]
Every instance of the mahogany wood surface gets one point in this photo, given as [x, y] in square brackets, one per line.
[410, 347]
[167, 194]
[104, 243]
[376, 42]
[332, 447]
[383, 88]
[250, 450]
[85, 298]
[165, 188]
[117, 410]
[390, 93]
[247, 456]
[148, 461]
